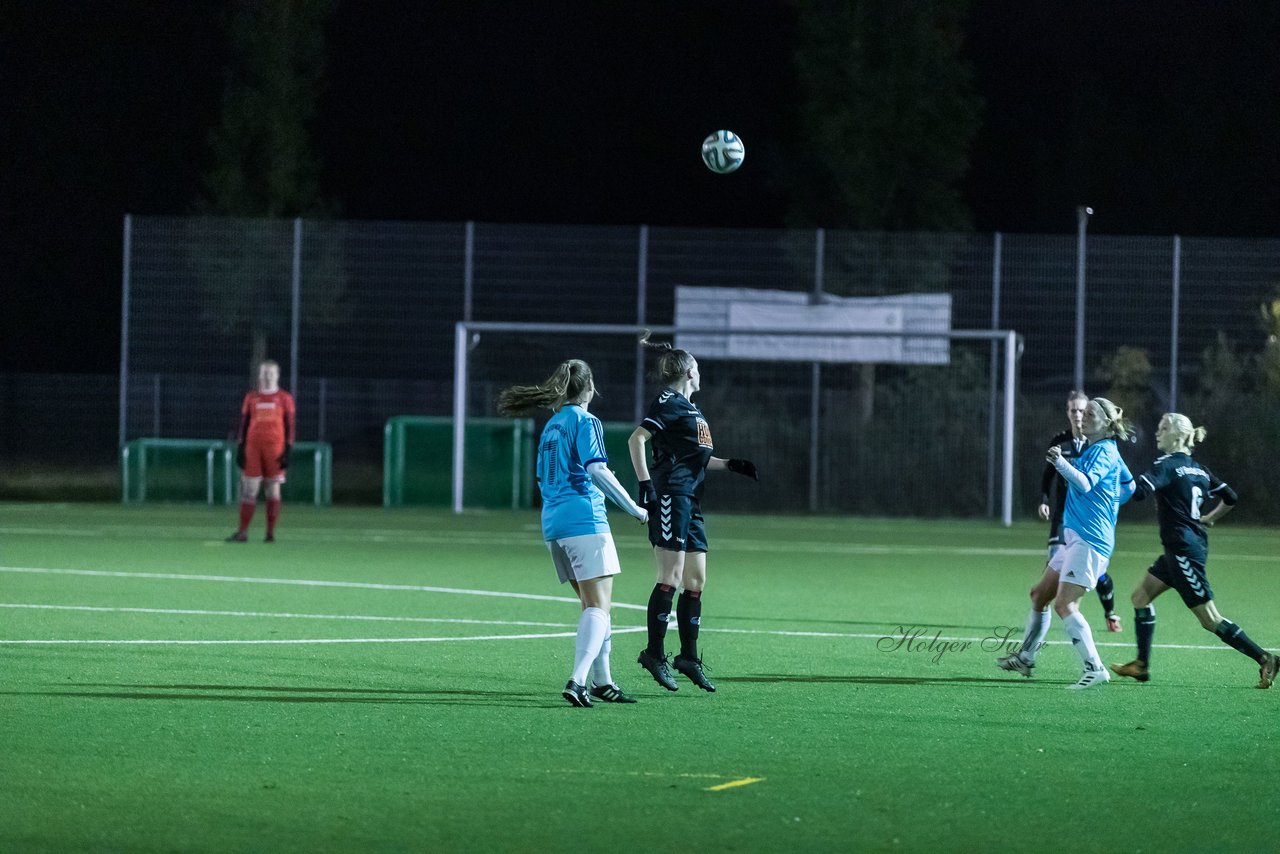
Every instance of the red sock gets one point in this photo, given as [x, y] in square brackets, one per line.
[246, 514]
[273, 513]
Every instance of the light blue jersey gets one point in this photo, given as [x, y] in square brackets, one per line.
[1092, 514]
[571, 503]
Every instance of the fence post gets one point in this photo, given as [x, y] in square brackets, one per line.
[1173, 331]
[155, 405]
[296, 307]
[642, 299]
[322, 401]
[461, 339]
[1082, 222]
[997, 251]
[1010, 372]
[468, 268]
[125, 276]
[815, 383]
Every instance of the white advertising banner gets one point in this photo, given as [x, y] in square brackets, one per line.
[751, 310]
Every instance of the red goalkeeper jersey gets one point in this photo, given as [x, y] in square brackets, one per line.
[268, 417]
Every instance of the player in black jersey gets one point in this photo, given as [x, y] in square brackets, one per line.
[1053, 499]
[1180, 485]
[672, 490]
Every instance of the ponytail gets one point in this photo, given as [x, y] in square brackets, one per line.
[673, 364]
[568, 384]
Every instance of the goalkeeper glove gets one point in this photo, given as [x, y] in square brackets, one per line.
[284, 458]
[743, 467]
[240, 455]
[647, 496]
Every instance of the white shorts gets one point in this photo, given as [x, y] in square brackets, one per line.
[1077, 562]
[584, 557]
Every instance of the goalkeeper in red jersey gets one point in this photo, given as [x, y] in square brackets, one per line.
[268, 429]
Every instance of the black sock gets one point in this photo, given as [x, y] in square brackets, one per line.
[1235, 637]
[1107, 594]
[689, 613]
[659, 613]
[1144, 624]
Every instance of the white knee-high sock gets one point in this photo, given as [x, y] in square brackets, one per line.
[1082, 639]
[600, 672]
[1033, 638]
[593, 626]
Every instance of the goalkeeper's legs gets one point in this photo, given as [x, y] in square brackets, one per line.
[248, 504]
[273, 509]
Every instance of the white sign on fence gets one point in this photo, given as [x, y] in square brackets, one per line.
[748, 309]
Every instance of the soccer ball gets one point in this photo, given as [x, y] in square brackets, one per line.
[723, 152]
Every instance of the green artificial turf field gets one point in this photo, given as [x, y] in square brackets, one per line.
[389, 681]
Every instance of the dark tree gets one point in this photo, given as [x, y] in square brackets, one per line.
[887, 114]
[264, 167]
[263, 163]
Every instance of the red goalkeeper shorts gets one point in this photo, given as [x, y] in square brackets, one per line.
[262, 459]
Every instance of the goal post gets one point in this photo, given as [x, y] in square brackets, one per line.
[899, 432]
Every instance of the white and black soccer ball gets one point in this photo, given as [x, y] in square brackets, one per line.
[723, 152]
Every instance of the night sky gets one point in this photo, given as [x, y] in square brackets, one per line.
[1162, 116]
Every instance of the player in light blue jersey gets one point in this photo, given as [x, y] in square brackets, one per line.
[574, 478]
[1098, 482]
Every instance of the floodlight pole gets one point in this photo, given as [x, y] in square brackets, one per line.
[1082, 223]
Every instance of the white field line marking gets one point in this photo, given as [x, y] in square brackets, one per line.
[261, 642]
[467, 538]
[610, 773]
[283, 642]
[914, 640]
[296, 582]
[282, 615]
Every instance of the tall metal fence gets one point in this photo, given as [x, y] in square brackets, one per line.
[360, 315]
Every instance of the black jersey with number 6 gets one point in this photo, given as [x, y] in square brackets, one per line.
[1181, 485]
[681, 444]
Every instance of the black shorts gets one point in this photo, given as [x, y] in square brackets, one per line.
[1184, 572]
[675, 523]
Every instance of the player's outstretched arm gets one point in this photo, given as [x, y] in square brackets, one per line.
[607, 482]
[746, 468]
[1072, 475]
